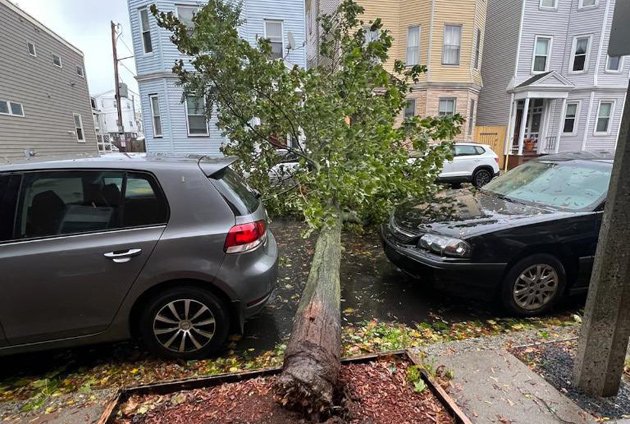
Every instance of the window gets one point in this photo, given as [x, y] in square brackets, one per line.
[478, 49]
[78, 127]
[75, 202]
[11, 108]
[581, 47]
[613, 64]
[542, 52]
[452, 44]
[156, 117]
[587, 3]
[371, 35]
[410, 108]
[9, 185]
[80, 71]
[56, 60]
[604, 115]
[447, 107]
[413, 46]
[185, 14]
[471, 117]
[145, 28]
[31, 49]
[548, 4]
[465, 150]
[275, 34]
[570, 118]
[196, 114]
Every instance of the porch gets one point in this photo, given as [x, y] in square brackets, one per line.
[536, 112]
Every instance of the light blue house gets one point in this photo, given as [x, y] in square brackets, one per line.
[175, 127]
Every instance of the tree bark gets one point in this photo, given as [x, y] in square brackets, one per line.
[312, 358]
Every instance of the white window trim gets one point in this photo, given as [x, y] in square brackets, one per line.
[281, 22]
[587, 60]
[453, 99]
[578, 110]
[612, 71]
[581, 5]
[60, 61]
[549, 51]
[610, 118]
[419, 45]
[76, 133]
[207, 133]
[188, 6]
[476, 59]
[142, 31]
[542, 7]
[10, 113]
[461, 37]
[153, 115]
[34, 54]
[82, 74]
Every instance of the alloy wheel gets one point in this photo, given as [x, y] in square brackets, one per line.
[482, 178]
[535, 287]
[184, 326]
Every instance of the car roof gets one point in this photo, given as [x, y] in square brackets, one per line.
[133, 161]
[596, 156]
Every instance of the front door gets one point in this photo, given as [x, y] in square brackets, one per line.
[80, 239]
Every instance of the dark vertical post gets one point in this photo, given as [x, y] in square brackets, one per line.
[119, 122]
[606, 325]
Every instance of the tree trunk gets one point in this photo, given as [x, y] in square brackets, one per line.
[312, 357]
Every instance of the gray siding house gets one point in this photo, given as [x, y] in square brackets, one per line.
[44, 99]
[176, 125]
[548, 78]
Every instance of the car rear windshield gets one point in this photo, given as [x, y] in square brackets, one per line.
[574, 185]
[236, 192]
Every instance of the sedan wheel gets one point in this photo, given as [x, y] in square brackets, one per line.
[184, 323]
[533, 285]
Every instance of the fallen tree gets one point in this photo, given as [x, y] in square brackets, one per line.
[341, 121]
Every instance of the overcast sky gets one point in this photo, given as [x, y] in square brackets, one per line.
[86, 24]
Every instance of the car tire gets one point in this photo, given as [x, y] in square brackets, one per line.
[533, 285]
[184, 323]
[481, 177]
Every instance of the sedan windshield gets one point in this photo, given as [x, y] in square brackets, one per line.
[573, 185]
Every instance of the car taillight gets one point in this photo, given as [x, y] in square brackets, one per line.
[245, 237]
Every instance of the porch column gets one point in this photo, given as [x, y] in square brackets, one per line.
[507, 148]
[521, 133]
[561, 125]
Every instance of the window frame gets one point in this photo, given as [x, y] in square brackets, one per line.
[275, 21]
[591, 6]
[541, 6]
[185, 6]
[477, 59]
[610, 117]
[444, 45]
[143, 31]
[407, 103]
[60, 66]
[418, 48]
[28, 48]
[453, 99]
[10, 109]
[613, 71]
[82, 73]
[461, 146]
[547, 58]
[471, 115]
[153, 116]
[587, 58]
[81, 127]
[578, 110]
[207, 133]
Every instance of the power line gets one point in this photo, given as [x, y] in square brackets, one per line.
[128, 70]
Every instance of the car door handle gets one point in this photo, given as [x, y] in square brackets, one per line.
[123, 256]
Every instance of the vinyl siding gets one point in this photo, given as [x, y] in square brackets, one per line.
[499, 55]
[50, 95]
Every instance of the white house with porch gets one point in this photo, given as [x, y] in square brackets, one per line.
[548, 78]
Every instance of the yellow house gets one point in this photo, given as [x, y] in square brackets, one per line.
[445, 35]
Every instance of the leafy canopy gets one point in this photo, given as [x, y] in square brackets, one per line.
[344, 116]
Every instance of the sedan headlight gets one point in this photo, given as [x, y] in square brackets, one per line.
[446, 246]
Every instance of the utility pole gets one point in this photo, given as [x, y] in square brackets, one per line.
[119, 122]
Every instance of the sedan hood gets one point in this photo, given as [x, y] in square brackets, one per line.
[463, 214]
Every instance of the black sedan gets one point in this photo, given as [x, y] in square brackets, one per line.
[526, 239]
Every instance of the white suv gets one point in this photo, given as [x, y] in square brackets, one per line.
[472, 163]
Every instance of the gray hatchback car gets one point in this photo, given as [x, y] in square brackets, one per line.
[174, 251]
